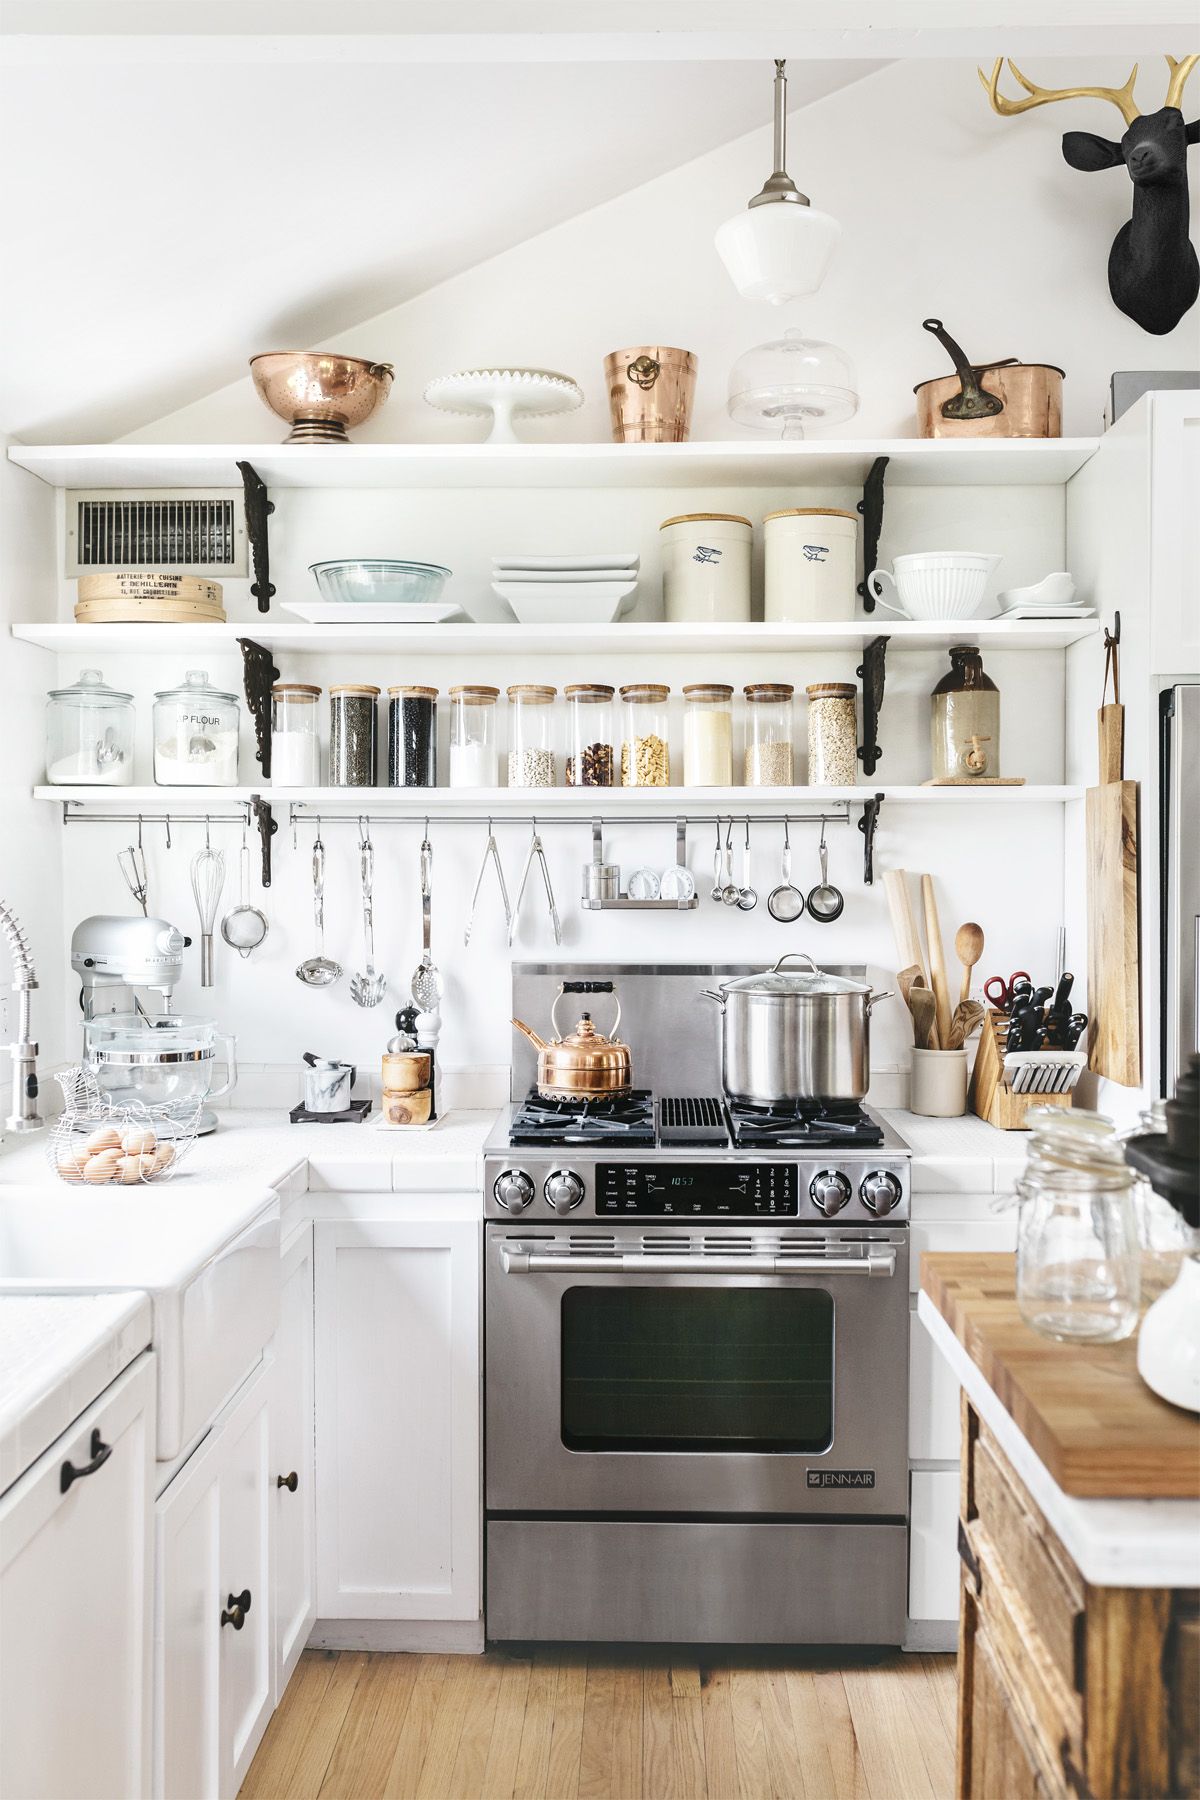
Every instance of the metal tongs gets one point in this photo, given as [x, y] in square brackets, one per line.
[491, 854]
[535, 850]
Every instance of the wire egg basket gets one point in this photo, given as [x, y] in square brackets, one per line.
[95, 1143]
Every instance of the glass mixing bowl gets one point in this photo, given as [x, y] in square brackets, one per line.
[164, 1065]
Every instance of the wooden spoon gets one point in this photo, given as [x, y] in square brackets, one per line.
[937, 961]
[968, 947]
[923, 1007]
[908, 979]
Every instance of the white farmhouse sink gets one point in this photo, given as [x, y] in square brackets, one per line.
[210, 1265]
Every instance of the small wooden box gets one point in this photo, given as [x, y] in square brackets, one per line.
[990, 1095]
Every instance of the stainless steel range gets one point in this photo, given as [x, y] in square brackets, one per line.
[696, 1351]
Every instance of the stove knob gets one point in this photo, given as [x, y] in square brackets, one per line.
[563, 1190]
[829, 1190]
[880, 1191]
[513, 1190]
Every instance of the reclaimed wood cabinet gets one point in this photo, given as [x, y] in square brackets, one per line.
[1065, 1689]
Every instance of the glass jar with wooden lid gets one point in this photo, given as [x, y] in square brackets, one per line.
[646, 735]
[707, 734]
[473, 755]
[591, 743]
[768, 760]
[353, 741]
[295, 745]
[832, 734]
[531, 735]
[412, 737]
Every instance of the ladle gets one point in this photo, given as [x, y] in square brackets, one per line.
[244, 927]
[785, 902]
[825, 902]
[320, 970]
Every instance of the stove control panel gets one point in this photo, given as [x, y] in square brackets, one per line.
[736, 1189]
[698, 1190]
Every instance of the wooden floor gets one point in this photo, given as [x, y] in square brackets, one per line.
[610, 1725]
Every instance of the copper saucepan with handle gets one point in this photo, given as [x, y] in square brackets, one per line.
[1000, 399]
[585, 1064]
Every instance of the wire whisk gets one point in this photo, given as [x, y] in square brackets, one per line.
[208, 881]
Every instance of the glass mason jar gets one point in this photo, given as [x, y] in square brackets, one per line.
[708, 735]
[412, 737]
[89, 734]
[1078, 1260]
[832, 734]
[295, 746]
[531, 735]
[768, 760]
[473, 737]
[591, 746]
[353, 735]
[646, 740]
[195, 734]
[964, 721]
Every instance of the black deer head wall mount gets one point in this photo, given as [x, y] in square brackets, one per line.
[1153, 274]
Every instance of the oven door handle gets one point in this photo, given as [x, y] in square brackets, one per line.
[516, 1260]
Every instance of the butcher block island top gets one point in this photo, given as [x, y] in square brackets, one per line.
[1083, 1408]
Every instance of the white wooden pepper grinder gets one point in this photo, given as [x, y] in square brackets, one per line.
[428, 1031]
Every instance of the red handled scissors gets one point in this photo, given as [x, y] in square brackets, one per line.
[1000, 992]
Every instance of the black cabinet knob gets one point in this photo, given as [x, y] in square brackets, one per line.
[100, 1453]
[290, 1482]
[235, 1610]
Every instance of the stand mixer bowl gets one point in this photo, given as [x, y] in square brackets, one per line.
[162, 1065]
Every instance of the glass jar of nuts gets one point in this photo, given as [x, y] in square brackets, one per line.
[591, 745]
[646, 743]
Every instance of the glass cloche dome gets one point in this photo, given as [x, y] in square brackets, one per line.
[791, 382]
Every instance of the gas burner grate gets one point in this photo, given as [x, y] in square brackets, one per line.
[826, 1126]
[692, 1119]
[615, 1119]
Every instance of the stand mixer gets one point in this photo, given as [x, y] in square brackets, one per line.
[160, 1062]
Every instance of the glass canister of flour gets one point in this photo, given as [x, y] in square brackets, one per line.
[964, 721]
[810, 557]
[832, 734]
[706, 567]
[707, 735]
[195, 734]
[295, 747]
[473, 755]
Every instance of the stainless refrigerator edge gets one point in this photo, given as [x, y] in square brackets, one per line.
[1179, 887]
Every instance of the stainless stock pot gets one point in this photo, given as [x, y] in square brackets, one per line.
[790, 1036]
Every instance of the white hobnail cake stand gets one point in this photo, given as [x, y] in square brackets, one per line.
[504, 394]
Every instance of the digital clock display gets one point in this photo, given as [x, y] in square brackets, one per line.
[709, 1190]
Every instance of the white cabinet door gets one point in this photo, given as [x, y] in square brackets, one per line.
[293, 1499]
[212, 1680]
[1175, 535]
[933, 1576]
[398, 1420]
[75, 1606]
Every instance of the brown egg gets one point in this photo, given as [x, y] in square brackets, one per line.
[136, 1141]
[104, 1139]
[70, 1167]
[102, 1167]
[164, 1157]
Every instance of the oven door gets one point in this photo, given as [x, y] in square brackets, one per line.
[680, 1372]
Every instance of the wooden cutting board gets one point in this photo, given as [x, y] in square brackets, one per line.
[1114, 1040]
[1083, 1407]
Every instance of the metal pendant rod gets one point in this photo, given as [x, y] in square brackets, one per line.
[302, 810]
[780, 117]
[145, 818]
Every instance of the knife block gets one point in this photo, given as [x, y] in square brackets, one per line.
[990, 1095]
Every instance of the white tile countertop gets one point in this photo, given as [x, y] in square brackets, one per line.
[57, 1353]
[1115, 1543]
[959, 1156]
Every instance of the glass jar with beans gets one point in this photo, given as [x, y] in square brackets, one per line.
[531, 735]
[591, 744]
[352, 735]
[412, 737]
[768, 760]
[646, 742]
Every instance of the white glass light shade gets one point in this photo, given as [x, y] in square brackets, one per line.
[779, 251]
[790, 383]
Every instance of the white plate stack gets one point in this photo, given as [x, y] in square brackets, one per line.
[1052, 598]
[555, 590]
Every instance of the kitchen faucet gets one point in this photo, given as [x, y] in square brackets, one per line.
[24, 1115]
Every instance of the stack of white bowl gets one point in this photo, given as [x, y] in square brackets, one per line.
[553, 590]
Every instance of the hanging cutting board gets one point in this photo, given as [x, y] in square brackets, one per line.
[1114, 1029]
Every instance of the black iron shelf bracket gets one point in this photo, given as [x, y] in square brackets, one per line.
[267, 825]
[258, 675]
[258, 508]
[871, 508]
[871, 671]
[867, 824]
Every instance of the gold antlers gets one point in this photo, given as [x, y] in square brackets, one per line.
[1038, 96]
[1179, 74]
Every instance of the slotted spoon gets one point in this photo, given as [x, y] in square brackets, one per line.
[367, 987]
[427, 983]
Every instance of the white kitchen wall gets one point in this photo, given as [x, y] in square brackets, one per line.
[947, 210]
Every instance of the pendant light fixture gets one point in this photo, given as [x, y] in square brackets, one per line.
[779, 248]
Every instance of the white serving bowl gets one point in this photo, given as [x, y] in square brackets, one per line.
[935, 584]
[1057, 589]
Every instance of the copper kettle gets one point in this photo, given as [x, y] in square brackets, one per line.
[585, 1064]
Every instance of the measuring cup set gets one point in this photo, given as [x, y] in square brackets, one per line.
[786, 902]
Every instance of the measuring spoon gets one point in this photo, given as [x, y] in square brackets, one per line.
[747, 897]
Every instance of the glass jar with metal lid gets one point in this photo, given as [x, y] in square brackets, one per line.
[706, 567]
[531, 735]
[768, 760]
[473, 756]
[89, 734]
[353, 735]
[196, 734]
[646, 735]
[707, 735]
[832, 734]
[1078, 1261]
[412, 737]
[591, 743]
[295, 746]
[809, 561]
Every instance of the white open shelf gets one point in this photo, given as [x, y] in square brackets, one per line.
[828, 462]
[608, 803]
[626, 639]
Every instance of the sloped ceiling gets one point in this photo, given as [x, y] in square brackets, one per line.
[163, 221]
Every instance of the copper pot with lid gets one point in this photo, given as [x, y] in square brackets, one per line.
[585, 1064]
[1000, 399]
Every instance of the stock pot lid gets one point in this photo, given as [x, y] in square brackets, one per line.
[782, 981]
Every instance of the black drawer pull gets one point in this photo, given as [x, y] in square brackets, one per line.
[290, 1482]
[100, 1452]
[238, 1606]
